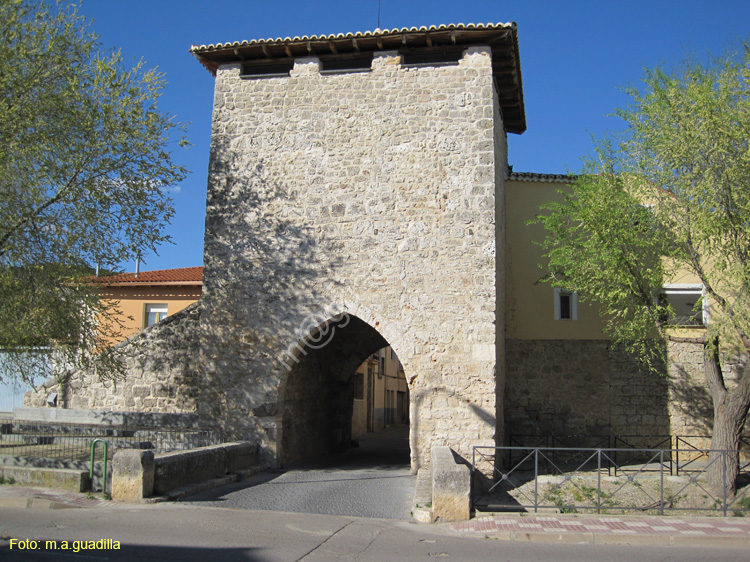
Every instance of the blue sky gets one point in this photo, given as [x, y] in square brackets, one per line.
[574, 57]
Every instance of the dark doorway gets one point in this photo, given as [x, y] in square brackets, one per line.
[317, 393]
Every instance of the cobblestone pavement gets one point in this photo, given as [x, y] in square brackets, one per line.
[371, 480]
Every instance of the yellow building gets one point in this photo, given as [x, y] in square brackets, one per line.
[144, 298]
[540, 311]
[381, 397]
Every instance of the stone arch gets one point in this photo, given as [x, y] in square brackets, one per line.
[316, 389]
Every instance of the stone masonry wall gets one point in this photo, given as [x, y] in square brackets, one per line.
[589, 388]
[163, 373]
[690, 404]
[366, 193]
[582, 388]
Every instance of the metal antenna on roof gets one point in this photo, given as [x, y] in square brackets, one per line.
[378, 14]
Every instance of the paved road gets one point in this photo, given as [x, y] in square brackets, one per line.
[193, 533]
[371, 480]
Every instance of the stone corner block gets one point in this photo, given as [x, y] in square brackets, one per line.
[451, 486]
[132, 475]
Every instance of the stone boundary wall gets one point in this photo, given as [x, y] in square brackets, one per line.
[181, 468]
[139, 420]
[162, 373]
[139, 474]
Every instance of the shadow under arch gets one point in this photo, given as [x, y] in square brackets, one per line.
[316, 391]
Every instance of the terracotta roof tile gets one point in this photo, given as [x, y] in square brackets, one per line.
[184, 275]
[333, 36]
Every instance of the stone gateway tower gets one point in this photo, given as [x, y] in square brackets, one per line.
[355, 200]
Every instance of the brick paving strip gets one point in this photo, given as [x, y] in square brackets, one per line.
[719, 531]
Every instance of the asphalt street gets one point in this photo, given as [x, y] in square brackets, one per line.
[370, 480]
[189, 533]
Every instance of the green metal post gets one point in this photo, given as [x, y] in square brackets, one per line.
[91, 470]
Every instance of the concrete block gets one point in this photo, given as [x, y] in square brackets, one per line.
[132, 475]
[63, 479]
[451, 486]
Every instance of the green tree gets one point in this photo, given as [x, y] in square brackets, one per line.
[670, 195]
[84, 172]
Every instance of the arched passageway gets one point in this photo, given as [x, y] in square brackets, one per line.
[344, 382]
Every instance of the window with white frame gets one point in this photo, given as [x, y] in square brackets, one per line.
[566, 305]
[689, 304]
[155, 313]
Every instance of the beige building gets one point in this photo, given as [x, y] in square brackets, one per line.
[381, 395]
[143, 299]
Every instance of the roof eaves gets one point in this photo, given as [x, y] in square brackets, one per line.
[535, 177]
[201, 49]
[501, 37]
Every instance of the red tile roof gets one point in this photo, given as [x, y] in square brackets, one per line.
[180, 276]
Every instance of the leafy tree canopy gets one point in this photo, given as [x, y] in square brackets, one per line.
[84, 169]
[669, 195]
[665, 200]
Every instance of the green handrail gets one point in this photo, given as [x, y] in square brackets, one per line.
[91, 470]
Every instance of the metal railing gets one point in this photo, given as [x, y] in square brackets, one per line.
[73, 442]
[693, 455]
[686, 451]
[605, 480]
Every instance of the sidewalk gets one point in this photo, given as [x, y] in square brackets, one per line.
[732, 532]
